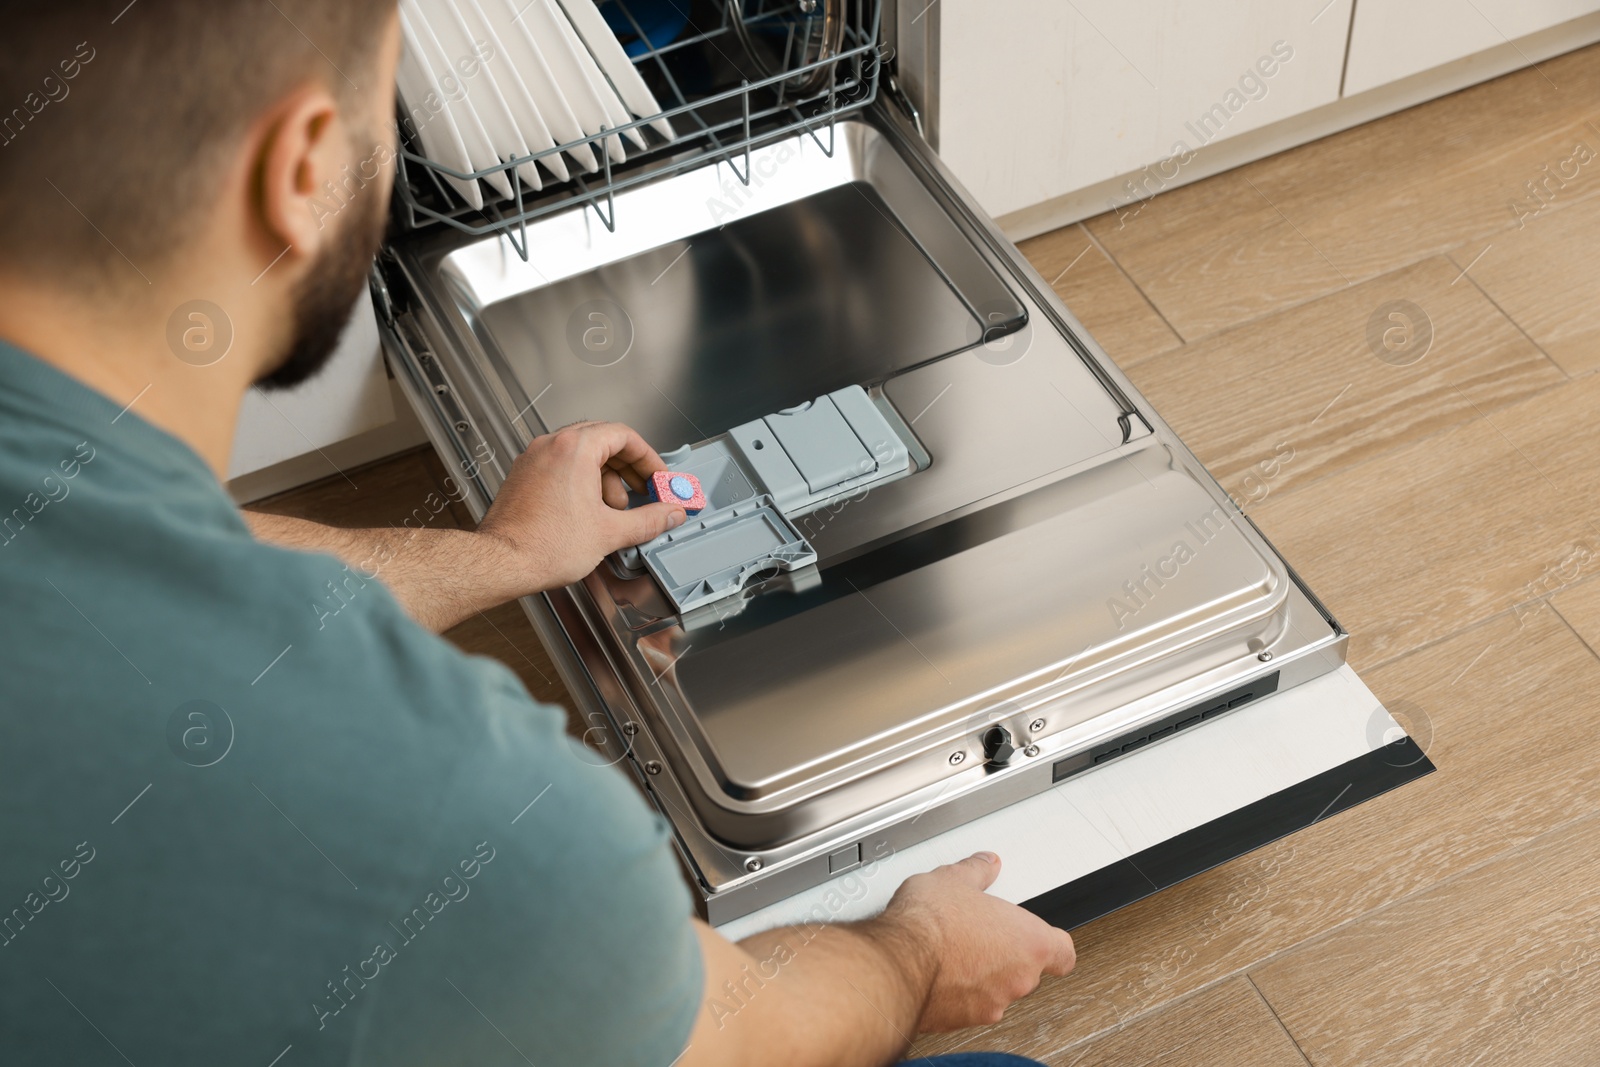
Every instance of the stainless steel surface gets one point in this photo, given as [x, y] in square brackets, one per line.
[911, 32]
[725, 303]
[1031, 570]
[818, 293]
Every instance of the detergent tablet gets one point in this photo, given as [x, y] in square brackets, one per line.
[679, 488]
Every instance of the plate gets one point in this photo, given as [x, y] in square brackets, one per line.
[480, 150]
[524, 54]
[524, 112]
[439, 138]
[614, 62]
[483, 91]
[616, 111]
[545, 25]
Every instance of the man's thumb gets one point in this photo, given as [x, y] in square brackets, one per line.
[638, 525]
[978, 870]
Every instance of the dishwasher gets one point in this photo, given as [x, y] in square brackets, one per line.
[950, 558]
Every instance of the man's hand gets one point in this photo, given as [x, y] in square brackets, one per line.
[943, 955]
[989, 952]
[564, 506]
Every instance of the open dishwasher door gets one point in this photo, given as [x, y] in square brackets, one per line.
[1021, 577]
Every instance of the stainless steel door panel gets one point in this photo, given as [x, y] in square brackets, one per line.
[1027, 573]
[862, 266]
[989, 427]
[688, 340]
[888, 656]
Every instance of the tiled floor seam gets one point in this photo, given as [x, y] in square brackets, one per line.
[1279, 1020]
[1154, 307]
[1511, 319]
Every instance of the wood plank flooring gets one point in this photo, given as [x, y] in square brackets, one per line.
[1361, 203]
[1097, 291]
[1317, 383]
[1542, 275]
[1443, 498]
[1426, 979]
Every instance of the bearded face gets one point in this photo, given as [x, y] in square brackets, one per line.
[330, 288]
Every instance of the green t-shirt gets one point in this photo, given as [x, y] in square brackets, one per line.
[240, 826]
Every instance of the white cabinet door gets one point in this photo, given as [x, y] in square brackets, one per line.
[1038, 98]
[347, 397]
[1392, 39]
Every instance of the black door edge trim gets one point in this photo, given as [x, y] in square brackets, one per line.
[1246, 829]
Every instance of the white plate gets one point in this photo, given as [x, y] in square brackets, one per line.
[616, 111]
[440, 140]
[614, 61]
[483, 92]
[524, 112]
[483, 89]
[480, 150]
[526, 57]
[547, 26]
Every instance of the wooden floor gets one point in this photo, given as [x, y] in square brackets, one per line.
[1444, 500]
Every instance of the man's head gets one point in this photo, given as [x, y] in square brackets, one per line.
[153, 149]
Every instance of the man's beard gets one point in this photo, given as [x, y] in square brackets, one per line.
[325, 296]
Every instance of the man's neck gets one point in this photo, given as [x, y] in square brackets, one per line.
[156, 363]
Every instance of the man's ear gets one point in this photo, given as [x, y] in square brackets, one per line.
[303, 147]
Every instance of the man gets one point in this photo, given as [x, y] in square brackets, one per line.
[235, 828]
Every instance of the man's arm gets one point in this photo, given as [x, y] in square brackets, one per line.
[943, 955]
[441, 577]
[562, 508]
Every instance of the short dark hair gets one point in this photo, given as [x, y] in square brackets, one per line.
[114, 116]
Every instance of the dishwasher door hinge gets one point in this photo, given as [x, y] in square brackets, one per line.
[380, 293]
[898, 95]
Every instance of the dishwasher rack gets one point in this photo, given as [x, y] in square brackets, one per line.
[723, 121]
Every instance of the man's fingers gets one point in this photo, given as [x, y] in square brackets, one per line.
[638, 525]
[612, 489]
[978, 870]
[630, 477]
[1063, 954]
[618, 446]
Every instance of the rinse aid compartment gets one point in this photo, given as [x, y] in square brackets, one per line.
[972, 581]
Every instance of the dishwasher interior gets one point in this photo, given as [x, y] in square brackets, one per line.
[949, 557]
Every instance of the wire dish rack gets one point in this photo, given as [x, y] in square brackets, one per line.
[726, 99]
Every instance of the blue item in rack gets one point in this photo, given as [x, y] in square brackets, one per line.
[660, 20]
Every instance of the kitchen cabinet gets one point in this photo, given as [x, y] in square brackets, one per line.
[1039, 98]
[1391, 39]
[1050, 113]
